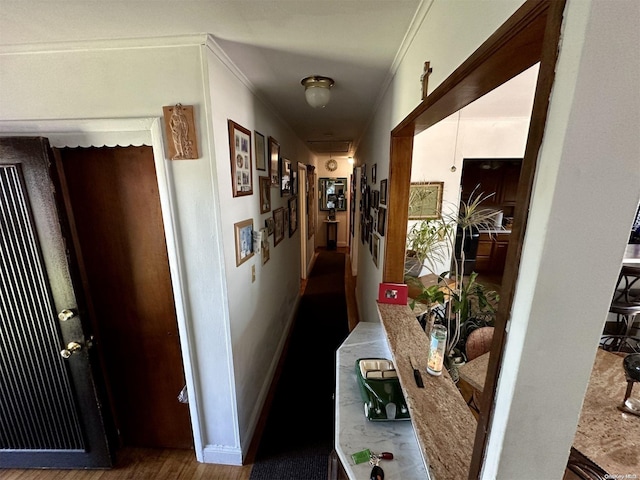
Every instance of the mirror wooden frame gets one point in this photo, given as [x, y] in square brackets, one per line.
[529, 36]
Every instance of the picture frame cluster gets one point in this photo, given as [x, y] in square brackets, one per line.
[373, 212]
[280, 173]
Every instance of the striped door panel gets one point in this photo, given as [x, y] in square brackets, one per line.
[37, 407]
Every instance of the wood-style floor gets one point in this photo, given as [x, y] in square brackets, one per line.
[142, 464]
[164, 464]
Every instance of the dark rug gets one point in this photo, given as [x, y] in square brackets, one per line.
[298, 435]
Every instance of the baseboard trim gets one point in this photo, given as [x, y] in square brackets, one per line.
[222, 455]
[263, 403]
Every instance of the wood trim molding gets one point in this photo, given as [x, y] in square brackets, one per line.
[510, 50]
[398, 203]
[546, 75]
[72, 133]
[529, 36]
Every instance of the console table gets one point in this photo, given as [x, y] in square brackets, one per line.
[353, 431]
[332, 242]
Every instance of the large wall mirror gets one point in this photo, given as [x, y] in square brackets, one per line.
[333, 193]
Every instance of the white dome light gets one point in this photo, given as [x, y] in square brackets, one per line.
[317, 90]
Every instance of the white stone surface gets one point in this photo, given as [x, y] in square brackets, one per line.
[353, 431]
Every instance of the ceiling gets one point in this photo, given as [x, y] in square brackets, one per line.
[275, 43]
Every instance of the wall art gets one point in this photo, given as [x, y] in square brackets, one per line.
[244, 241]
[241, 164]
[180, 129]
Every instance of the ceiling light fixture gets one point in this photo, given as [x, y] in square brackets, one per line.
[317, 90]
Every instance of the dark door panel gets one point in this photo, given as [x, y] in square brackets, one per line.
[49, 409]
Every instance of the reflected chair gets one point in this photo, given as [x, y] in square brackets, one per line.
[583, 468]
[478, 343]
[626, 307]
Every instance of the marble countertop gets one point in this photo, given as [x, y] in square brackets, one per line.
[605, 435]
[353, 431]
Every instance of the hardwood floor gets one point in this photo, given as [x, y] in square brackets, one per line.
[142, 464]
[165, 464]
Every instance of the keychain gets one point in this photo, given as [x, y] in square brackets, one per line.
[376, 472]
[374, 459]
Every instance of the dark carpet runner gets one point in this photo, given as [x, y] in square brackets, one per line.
[298, 435]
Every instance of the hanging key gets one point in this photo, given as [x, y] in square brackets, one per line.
[376, 472]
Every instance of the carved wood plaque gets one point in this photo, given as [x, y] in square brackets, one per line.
[181, 132]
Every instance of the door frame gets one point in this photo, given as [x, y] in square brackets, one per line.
[529, 36]
[302, 219]
[134, 131]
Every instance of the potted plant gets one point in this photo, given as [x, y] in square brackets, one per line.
[426, 245]
[470, 305]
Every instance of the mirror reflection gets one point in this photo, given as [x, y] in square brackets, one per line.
[333, 193]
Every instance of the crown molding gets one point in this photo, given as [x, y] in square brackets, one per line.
[106, 44]
[407, 41]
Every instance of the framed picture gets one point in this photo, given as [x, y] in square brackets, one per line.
[285, 177]
[393, 293]
[383, 192]
[294, 179]
[382, 220]
[374, 171]
[270, 225]
[278, 220]
[425, 200]
[244, 241]
[376, 249]
[265, 194]
[293, 215]
[264, 238]
[261, 151]
[286, 219]
[274, 156]
[240, 150]
[376, 199]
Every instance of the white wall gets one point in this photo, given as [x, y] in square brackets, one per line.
[260, 313]
[586, 191]
[585, 195]
[233, 329]
[448, 34]
[449, 142]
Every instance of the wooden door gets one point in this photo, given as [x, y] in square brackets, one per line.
[50, 415]
[112, 196]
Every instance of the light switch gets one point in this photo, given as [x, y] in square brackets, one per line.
[253, 273]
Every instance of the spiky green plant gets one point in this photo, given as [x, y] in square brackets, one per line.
[437, 241]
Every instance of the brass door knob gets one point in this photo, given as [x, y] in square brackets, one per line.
[72, 347]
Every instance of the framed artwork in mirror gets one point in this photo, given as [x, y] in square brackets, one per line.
[241, 164]
[383, 192]
[425, 200]
[382, 220]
